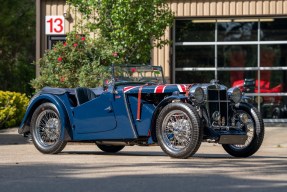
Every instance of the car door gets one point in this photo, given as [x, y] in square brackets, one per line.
[95, 116]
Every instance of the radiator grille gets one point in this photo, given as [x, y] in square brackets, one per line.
[217, 101]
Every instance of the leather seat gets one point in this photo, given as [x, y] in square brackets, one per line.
[84, 94]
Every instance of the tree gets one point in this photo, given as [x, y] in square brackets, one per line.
[131, 27]
[126, 31]
[17, 40]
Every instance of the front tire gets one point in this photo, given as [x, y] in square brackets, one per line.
[255, 133]
[46, 129]
[177, 129]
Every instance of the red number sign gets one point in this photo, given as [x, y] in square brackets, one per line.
[55, 25]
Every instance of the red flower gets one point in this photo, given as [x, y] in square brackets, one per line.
[60, 59]
[75, 45]
[65, 44]
[133, 70]
[83, 38]
[115, 54]
[62, 79]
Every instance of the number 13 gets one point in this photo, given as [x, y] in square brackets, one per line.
[56, 25]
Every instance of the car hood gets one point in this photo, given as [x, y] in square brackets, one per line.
[164, 88]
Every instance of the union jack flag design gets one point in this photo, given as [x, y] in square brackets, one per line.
[167, 88]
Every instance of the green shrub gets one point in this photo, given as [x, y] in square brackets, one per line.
[12, 108]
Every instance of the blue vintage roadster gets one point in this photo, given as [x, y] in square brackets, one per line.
[136, 107]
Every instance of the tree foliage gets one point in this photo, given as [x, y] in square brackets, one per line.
[17, 40]
[131, 27]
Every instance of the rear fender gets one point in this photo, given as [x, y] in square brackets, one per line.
[163, 103]
[35, 102]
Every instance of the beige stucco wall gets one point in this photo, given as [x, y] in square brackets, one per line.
[181, 8]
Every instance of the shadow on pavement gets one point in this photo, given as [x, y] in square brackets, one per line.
[11, 137]
[160, 153]
[122, 153]
[111, 177]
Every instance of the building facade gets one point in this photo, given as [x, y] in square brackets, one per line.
[241, 43]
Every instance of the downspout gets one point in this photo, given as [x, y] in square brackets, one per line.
[38, 35]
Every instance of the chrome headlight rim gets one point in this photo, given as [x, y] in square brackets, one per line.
[235, 94]
[197, 94]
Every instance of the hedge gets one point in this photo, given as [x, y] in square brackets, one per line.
[12, 108]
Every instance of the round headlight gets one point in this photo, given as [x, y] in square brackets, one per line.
[235, 94]
[197, 94]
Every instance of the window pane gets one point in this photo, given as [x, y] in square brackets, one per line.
[235, 31]
[245, 80]
[274, 31]
[194, 56]
[273, 55]
[187, 31]
[273, 107]
[237, 56]
[194, 76]
[53, 40]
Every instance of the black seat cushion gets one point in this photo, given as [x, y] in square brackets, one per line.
[84, 95]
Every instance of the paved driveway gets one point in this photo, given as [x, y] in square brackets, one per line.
[83, 167]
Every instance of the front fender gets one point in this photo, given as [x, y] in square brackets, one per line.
[255, 114]
[36, 101]
[244, 105]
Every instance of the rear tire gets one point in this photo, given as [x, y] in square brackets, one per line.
[110, 148]
[177, 129]
[46, 127]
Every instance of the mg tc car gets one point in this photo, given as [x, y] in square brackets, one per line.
[136, 107]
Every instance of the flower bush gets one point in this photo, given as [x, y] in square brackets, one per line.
[80, 61]
[12, 108]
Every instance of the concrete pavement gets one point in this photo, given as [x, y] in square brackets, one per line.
[274, 137]
[83, 167]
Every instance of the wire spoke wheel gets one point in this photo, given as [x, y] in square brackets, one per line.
[176, 130]
[249, 128]
[46, 127]
[254, 128]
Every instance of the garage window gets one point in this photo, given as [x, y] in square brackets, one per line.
[247, 53]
